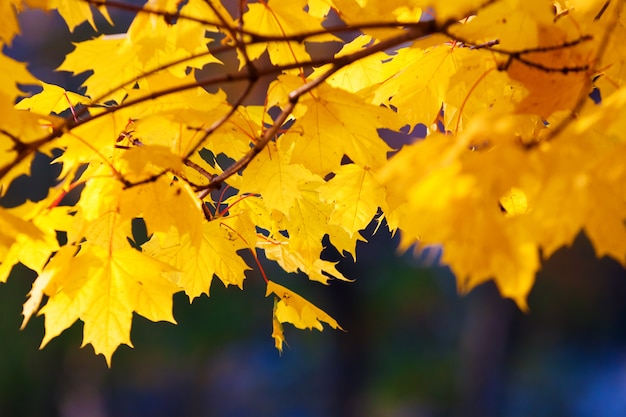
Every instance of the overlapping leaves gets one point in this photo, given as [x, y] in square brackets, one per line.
[517, 162]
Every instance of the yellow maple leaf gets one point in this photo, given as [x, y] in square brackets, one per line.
[424, 76]
[359, 12]
[361, 74]
[583, 176]
[514, 202]
[110, 287]
[280, 17]
[115, 63]
[156, 42]
[197, 264]
[163, 204]
[140, 162]
[272, 175]
[9, 26]
[308, 222]
[75, 12]
[277, 330]
[290, 260]
[53, 99]
[12, 73]
[355, 193]
[42, 284]
[332, 123]
[452, 177]
[15, 233]
[294, 309]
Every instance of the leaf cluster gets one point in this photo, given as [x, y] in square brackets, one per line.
[518, 158]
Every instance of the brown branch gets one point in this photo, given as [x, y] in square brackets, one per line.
[18, 145]
[414, 32]
[294, 96]
[582, 97]
[168, 16]
[209, 131]
[602, 10]
[519, 55]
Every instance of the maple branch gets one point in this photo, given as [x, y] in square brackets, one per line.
[541, 67]
[169, 17]
[582, 97]
[518, 55]
[414, 32]
[602, 10]
[216, 125]
[18, 145]
[198, 169]
[216, 181]
[294, 96]
[254, 36]
[70, 124]
[252, 74]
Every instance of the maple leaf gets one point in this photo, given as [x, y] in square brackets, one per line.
[516, 162]
[163, 204]
[197, 264]
[333, 123]
[75, 12]
[425, 77]
[355, 193]
[103, 289]
[52, 99]
[279, 250]
[273, 176]
[294, 309]
[13, 72]
[8, 20]
[357, 12]
[277, 330]
[14, 235]
[284, 17]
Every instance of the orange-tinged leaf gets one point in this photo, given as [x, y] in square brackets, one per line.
[606, 227]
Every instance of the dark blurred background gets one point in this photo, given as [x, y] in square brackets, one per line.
[412, 346]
